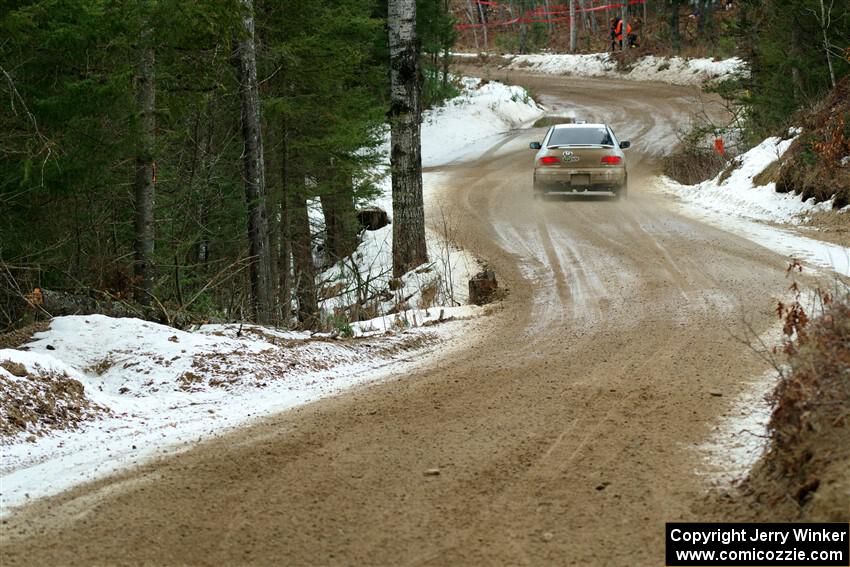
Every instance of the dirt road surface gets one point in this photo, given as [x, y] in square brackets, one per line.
[563, 431]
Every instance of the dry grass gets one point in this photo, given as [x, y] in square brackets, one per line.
[428, 295]
[692, 165]
[37, 401]
[830, 226]
[20, 337]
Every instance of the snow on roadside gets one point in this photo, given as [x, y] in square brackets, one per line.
[736, 204]
[740, 437]
[158, 390]
[738, 195]
[673, 70]
[482, 110]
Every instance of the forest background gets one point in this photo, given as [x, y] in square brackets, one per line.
[125, 126]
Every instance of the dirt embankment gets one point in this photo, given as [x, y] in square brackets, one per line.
[817, 164]
[804, 475]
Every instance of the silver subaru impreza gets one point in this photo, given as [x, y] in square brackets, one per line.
[580, 157]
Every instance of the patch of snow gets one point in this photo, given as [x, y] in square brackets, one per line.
[673, 70]
[740, 437]
[365, 276]
[482, 110]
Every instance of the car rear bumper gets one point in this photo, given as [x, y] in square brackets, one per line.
[565, 179]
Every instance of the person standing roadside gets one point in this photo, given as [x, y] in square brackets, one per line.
[615, 25]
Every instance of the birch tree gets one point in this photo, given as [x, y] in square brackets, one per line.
[144, 179]
[254, 168]
[409, 248]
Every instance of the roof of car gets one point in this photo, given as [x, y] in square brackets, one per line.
[579, 125]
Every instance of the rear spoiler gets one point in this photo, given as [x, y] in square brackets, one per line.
[558, 146]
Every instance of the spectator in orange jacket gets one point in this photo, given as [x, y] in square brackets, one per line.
[617, 34]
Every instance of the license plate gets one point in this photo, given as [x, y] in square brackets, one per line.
[579, 180]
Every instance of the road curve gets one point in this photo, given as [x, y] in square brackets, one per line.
[563, 432]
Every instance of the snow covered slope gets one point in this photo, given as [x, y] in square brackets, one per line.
[735, 203]
[738, 195]
[674, 70]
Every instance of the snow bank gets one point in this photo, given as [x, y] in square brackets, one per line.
[39, 393]
[674, 70]
[736, 204]
[738, 195]
[145, 389]
[482, 110]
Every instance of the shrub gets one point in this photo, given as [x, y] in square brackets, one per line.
[809, 451]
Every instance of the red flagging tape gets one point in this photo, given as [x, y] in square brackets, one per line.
[537, 16]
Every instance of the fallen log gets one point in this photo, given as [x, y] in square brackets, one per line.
[59, 303]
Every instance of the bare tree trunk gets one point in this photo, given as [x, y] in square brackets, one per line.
[587, 26]
[573, 28]
[285, 255]
[446, 60]
[594, 24]
[446, 47]
[483, 19]
[522, 33]
[470, 11]
[409, 248]
[145, 175]
[825, 22]
[625, 16]
[340, 218]
[674, 24]
[255, 174]
[302, 253]
[549, 23]
[794, 52]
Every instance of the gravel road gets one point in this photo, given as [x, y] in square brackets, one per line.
[560, 431]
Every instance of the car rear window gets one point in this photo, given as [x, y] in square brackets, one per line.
[591, 136]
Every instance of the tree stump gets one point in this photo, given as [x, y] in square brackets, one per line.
[372, 218]
[483, 287]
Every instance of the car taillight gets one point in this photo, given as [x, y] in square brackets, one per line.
[549, 160]
[612, 160]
